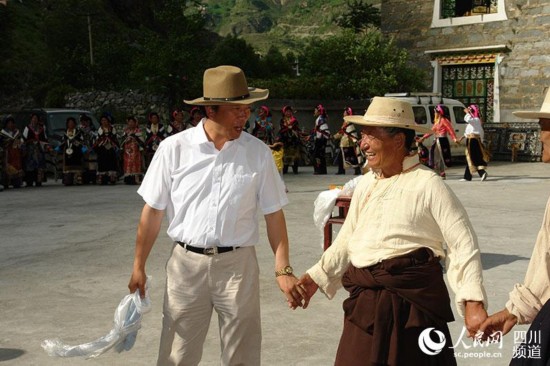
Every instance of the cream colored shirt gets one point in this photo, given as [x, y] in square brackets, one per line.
[528, 298]
[394, 216]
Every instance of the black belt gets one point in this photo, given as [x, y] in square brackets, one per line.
[207, 251]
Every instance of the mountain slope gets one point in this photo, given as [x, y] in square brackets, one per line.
[282, 23]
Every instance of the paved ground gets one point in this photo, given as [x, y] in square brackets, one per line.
[67, 254]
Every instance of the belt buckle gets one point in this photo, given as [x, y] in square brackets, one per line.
[211, 251]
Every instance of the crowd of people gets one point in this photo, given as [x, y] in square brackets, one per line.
[86, 155]
[106, 155]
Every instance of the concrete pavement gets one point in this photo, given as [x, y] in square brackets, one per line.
[67, 254]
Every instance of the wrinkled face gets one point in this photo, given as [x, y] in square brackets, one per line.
[545, 139]
[231, 118]
[381, 148]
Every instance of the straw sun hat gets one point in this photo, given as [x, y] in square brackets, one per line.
[543, 113]
[388, 112]
[227, 85]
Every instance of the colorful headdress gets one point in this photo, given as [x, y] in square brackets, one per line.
[474, 110]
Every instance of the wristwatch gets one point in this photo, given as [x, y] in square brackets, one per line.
[286, 271]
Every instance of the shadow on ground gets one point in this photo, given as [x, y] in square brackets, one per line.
[491, 260]
[7, 354]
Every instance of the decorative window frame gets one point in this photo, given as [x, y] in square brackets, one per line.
[499, 52]
[438, 22]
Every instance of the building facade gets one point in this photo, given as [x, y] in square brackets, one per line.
[497, 56]
[494, 53]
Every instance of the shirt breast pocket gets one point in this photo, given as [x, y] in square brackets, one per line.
[243, 190]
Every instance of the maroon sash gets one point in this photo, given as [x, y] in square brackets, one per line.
[390, 304]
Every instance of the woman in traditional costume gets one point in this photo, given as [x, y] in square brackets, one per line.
[36, 145]
[155, 133]
[349, 155]
[73, 143]
[263, 127]
[106, 146]
[132, 147]
[291, 137]
[440, 151]
[476, 155]
[11, 142]
[177, 124]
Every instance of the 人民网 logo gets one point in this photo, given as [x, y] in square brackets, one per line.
[428, 345]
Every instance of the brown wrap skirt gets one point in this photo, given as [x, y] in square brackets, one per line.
[389, 305]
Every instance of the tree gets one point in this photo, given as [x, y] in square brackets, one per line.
[235, 51]
[171, 56]
[274, 64]
[359, 16]
[357, 65]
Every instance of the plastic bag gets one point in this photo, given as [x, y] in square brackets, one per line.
[324, 204]
[127, 322]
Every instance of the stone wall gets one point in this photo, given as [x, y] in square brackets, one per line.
[525, 69]
[139, 104]
[120, 104]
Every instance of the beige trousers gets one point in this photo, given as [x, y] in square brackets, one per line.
[196, 284]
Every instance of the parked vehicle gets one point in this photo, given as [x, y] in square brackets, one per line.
[423, 105]
[54, 120]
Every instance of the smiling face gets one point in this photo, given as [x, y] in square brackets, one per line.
[384, 152]
[545, 139]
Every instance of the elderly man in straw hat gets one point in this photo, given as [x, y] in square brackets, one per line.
[387, 253]
[211, 180]
[529, 301]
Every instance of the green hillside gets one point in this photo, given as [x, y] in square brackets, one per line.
[286, 24]
[165, 45]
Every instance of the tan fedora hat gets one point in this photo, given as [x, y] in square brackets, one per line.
[543, 113]
[227, 85]
[388, 112]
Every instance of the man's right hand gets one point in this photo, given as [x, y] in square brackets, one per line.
[310, 287]
[137, 281]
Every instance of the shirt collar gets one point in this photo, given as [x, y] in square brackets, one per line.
[201, 138]
[410, 163]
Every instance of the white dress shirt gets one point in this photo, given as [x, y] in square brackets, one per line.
[212, 196]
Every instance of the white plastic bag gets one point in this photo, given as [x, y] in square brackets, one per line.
[324, 204]
[127, 322]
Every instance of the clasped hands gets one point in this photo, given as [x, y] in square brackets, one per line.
[298, 292]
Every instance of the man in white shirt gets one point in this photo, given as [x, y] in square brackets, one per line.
[210, 181]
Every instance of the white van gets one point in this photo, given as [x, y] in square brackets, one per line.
[423, 105]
